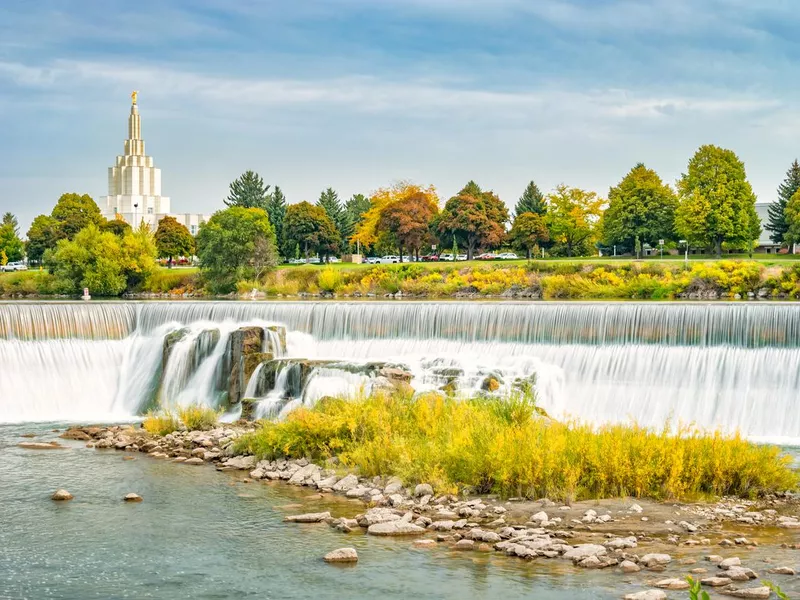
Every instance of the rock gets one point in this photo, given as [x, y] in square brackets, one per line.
[715, 581]
[673, 583]
[303, 473]
[76, 434]
[346, 483]
[740, 574]
[621, 543]
[635, 508]
[395, 528]
[781, 571]
[584, 551]
[730, 562]
[540, 517]
[194, 461]
[755, 593]
[377, 515]
[646, 595]
[591, 562]
[61, 495]
[423, 489]
[485, 536]
[308, 518]
[628, 566]
[424, 543]
[243, 463]
[132, 497]
[441, 525]
[464, 545]
[653, 560]
[342, 555]
[41, 445]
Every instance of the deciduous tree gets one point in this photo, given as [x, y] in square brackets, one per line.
[476, 218]
[407, 222]
[173, 239]
[572, 218]
[640, 206]
[717, 204]
[73, 212]
[311, 228]
[528, 231]
[42, 235]
[248, 191]
[532, 201]
[118, 226]
[776, 213]
[231, 246]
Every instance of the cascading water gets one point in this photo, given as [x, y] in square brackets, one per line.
[733, 366]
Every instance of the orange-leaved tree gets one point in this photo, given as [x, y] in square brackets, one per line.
[407, 222]
[475, 218]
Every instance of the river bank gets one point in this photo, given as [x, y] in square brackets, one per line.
[646, 544]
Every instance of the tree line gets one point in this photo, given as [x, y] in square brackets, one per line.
[712, 207]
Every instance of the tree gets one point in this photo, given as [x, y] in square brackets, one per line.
[407, 222]
[329, 201]
[311, 228]
[42, 236]
[640, 207]
[367, 233]
[101, 261]
[776, 217]
[356, 207]
[792, 219]
[235, 244]
[528, 231]
[276, 209]
[248, 191]
[10, 243]
[476, 218]
[117, 226]
[73, 212]
[717, 204]
[532, 201]
[572, 218]
[173, 239]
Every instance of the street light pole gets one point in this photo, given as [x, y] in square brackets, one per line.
[686, 255]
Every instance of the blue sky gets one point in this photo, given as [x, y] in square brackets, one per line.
[356, 94]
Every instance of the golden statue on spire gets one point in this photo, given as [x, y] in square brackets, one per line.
[134, 95]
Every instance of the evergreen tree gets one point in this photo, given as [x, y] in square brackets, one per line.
[276, 209]
[356, 208]
[10, 220]
[776, 216]
[248, 191]
[329, 201]
[532, 201]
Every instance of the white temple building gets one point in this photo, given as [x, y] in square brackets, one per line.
[134, 184]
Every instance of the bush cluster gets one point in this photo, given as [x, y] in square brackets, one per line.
[504, 446]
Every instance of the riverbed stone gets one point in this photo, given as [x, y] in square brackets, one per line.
[377, 515]
[654, 560]
[646, 595]
[427, 543]
[194, 461]
[464, 545]
[582, 551]
[741, 574]
[41, 445]
[781, 571]
[342, 555]
[242, 463]
[308, 517]
[727, 563]
[346, 483]
[673, 583]
[423, 489]
[621, 543]
[628, 566]
[753, 593]
[395, 528]
[61, 495]
[715, 581]
[133, 498]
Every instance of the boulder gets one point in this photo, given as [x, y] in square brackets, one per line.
[377, 515]
[133, 497]
[308, 517]
[781, 571]
[76, 434]
[628, 566]
[673, 583]
[194, 461]
[423, 489]
[740, 574]
[342, 555]
[754, 593]
[346, 483]
[242, 463]
[730, 562]
[654, 560]
[715, 581]
[646, 595]
[392, 528]
[464, 545]
[621, 543]
[424, 543]
[582, 551]
[61, 495]
[41, 445]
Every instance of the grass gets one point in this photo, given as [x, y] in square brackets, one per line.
[503, 446]
[194, 418]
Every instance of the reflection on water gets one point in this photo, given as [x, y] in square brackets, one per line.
[204, 534]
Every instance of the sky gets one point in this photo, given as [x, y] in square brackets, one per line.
[358, 94]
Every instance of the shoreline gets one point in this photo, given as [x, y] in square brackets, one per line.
[643, 539]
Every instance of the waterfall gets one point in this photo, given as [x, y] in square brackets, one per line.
[734, 366]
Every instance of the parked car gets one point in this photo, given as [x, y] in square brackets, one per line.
[429, 258]
[389, 259]
[373, 260]
[461, 257]
[14, 266]
[486, 256]
[446, 256]
[334, 259]
[508, 256]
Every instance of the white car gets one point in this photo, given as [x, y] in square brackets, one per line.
[461, 257]
[333, 259]
[445, 257]
[14, 266]
[373, 260]
[389, 259]
[508, 256]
